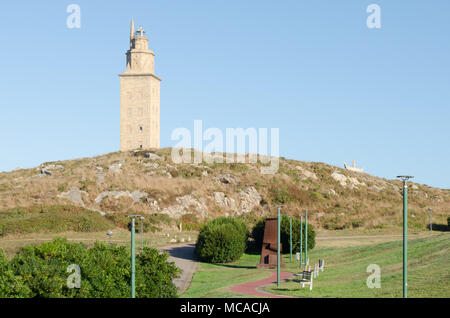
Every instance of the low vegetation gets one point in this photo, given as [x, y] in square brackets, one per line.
[42, 271]
[222, 240]
[53, 219]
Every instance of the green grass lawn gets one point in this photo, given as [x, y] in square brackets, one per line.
[345, 271]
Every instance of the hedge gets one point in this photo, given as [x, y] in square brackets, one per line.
[222, 240]
[41, 271]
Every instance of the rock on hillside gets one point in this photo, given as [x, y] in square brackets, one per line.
[148, 182]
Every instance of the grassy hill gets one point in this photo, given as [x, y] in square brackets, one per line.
[95, 193]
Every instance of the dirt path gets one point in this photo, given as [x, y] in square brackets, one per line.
[256, 288]
[183, 256]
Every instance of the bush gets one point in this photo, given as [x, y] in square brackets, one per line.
[356, 224]
[105, 271]
[258, 235]
[448, 222]
[10, 284]
[222, 240]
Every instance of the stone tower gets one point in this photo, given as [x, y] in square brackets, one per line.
[139, 96]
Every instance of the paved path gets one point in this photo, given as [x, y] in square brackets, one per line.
[183, 256]
[256, 288]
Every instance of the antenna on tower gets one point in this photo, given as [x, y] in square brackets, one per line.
[132, 29]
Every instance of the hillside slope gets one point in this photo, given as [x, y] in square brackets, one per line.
[149, 183]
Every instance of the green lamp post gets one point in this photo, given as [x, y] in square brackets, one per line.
[133, 255]
[290, 238]
[301, 239]
[306, 238]
[405, 234]
[278, 245]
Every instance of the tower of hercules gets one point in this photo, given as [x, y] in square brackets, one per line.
[139, 96]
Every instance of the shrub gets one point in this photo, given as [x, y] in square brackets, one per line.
[356, 224]
[10, 284]
[222, 240]
[448, 222]
[105, 271]
[280, 195]
[190, 222]
[258, 235]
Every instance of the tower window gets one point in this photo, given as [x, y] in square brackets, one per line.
[140, 146]
[140, 128]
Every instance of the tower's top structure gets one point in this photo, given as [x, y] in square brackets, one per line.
[140, 32]
[139, 58]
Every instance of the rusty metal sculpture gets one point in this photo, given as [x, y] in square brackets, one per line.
[269, 246]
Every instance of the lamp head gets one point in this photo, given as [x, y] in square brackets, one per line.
[404, 178]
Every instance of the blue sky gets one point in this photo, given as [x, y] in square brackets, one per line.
[337, 90]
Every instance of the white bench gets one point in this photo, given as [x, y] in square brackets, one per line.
[321, 264]
[307, 279]
[316, 270]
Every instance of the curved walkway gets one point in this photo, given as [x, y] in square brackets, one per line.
[184, 258]
[256, 288]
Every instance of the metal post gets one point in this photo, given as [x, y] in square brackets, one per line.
[290, 237]
[142, 233]
[405, 240]
[306, 238]
[405, 234]
[301, 239]
[132, 260]
[142, 237]
[278, 247]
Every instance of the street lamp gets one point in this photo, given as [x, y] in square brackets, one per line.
[109, 238]
[290, 238]
[301, 239]
[142, 233]
[278, 244]
[133, 256]
[405, 233]
[306, 238]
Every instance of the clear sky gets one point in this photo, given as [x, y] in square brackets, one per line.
[337, 90]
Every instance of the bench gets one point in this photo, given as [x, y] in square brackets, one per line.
[321, 264]
[316, 270]
[307, 279]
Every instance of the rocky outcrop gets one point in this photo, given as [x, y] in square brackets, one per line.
[225, 202]
[332, 192]
[115, 167]
[52, 167]
[227, 178]
[185, 204]
[152, 156]
[249, 198]
[136, 195]
[74, 195]
[345, 181]
[306, 173]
